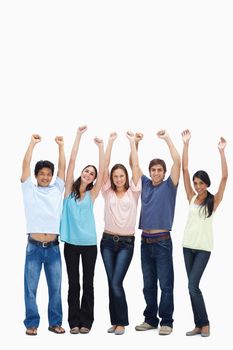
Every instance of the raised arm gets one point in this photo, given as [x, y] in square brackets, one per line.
[99, 180]
[186, 136]
[137, 138]
[175, 169]
[136, 171]
[61, 158]
[70, 170]
[26, 171]
[111, 139]
[219, 195]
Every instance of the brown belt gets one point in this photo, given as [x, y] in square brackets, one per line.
[155, 239]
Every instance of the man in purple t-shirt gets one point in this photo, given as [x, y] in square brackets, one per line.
[157, 213]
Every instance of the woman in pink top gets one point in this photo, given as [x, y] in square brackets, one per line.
[117, 244]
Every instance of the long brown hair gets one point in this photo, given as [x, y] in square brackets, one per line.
[122, 167]
[75, 192]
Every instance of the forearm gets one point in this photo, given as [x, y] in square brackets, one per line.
[133, 155]
[61, 162]
[101, 158]
[224, 165]
[75, 148]
[173, 151]
[28, 155]
[185, 157]
[108, 153]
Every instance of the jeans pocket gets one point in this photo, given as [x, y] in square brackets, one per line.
[30, 249]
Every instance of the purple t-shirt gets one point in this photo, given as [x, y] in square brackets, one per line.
[157, 204]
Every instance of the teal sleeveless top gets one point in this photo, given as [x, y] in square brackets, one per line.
[77, 222]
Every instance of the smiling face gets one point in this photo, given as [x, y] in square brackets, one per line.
[88, 175]
[44, 177]
[157, 174]
[119, 178]
[199, 186]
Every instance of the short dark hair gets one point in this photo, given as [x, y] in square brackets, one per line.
[43, 164]
[157, 161]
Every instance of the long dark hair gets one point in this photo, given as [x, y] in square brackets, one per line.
[208, 203]
[75, 192]
[122, 167]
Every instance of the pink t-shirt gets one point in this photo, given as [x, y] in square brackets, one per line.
[120, 213]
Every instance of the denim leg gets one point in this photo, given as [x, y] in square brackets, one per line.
[108, 256]
[117, 257]
[195, 263]
[165, 274]
[52, 267]
[150, 289]
[32, 269]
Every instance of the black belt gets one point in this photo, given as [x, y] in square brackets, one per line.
[43, 244]
[118, 238]
[155, 239]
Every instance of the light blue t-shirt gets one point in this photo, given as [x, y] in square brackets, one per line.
[157, 205]
[43, 206]
[78, 222]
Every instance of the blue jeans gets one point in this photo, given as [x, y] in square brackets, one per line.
[195, 264]
[50, 257]
[117, 257]
[157, 265]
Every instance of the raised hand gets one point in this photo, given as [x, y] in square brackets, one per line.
[130, 135]
[112, 136]
[222, 143]
[138, 137]
[162, 134]
[36, 138]
[98, 141]
[59, 140]
[186, 135]
[81, 129]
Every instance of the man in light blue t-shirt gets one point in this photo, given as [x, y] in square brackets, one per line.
[43, 205]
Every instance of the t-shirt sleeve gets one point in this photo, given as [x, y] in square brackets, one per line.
[170, 183]
[27, 184]
[60, 184]
[136, 188]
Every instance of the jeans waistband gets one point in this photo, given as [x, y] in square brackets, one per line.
[155, 239]
[118, 238]
[43, 244]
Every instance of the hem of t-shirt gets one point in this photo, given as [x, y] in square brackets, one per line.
[197, 248]
[43, 233]
[80, 244]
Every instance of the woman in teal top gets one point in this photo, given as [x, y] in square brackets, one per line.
[79, 234]
[197, 241]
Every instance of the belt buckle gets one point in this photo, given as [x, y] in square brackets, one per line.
[45, 244]
[116, 238]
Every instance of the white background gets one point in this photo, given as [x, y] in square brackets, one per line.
[116, 66]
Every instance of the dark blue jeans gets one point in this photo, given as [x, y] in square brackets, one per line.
[195, 264]
[157, 265]
[117, 256]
